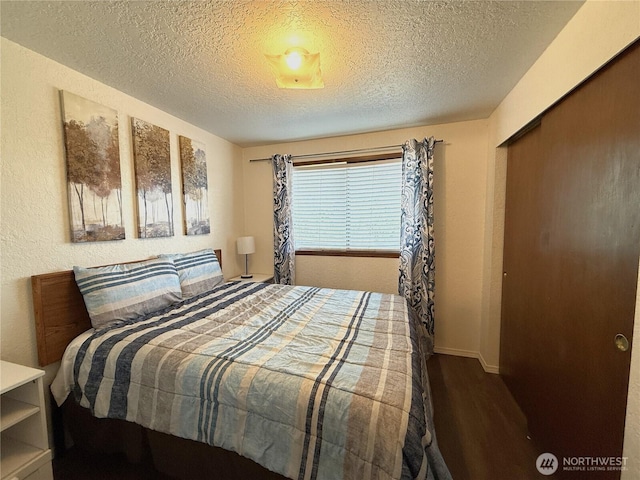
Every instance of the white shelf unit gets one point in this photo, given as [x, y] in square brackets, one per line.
[24, 446]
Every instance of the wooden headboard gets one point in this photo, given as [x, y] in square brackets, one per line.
[60, 312]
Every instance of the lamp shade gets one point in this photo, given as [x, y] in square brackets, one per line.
[246, 245]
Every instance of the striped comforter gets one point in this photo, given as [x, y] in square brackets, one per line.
[310, 383]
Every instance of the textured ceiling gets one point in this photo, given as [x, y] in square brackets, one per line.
[385, 64]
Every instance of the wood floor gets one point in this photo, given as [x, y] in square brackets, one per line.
[480, 430]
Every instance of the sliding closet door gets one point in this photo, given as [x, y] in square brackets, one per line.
[572, 242]
[523, 273]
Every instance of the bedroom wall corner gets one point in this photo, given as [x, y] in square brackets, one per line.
[632, 433]
[34, 219]
[492, 256]
[597, 32]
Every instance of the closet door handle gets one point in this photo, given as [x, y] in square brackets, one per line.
[621, 342]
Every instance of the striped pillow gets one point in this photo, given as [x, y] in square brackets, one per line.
[128, 291]
[199, 271]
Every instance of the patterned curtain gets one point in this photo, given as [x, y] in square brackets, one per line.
[417, 266]
[284, 252]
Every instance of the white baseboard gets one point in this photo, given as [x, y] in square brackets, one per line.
[488, 368]
[469, 354]
[455, 351]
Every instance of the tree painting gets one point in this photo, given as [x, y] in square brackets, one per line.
[93, 170]
[152, 160]
[194, 187]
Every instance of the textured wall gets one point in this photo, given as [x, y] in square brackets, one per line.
[460, 172]
[34, 214]
[372, 274]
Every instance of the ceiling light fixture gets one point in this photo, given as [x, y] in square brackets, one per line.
[297, 68]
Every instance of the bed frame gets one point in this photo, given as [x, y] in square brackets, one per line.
[60, 312]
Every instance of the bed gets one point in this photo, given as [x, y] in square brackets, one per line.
[246, 379]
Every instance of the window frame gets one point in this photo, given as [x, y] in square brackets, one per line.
[373, 253]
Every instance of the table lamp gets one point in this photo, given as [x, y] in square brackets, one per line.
[246, 246]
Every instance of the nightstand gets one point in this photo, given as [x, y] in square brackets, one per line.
[25, 443]
[257, 277]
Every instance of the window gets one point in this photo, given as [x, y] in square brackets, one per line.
[347, 207]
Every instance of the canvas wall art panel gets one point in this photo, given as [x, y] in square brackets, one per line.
[152, 160]
[193, 160]
[93, 170]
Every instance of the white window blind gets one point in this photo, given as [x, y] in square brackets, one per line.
[347, 206]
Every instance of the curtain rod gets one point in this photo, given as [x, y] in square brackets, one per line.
[357, 150]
